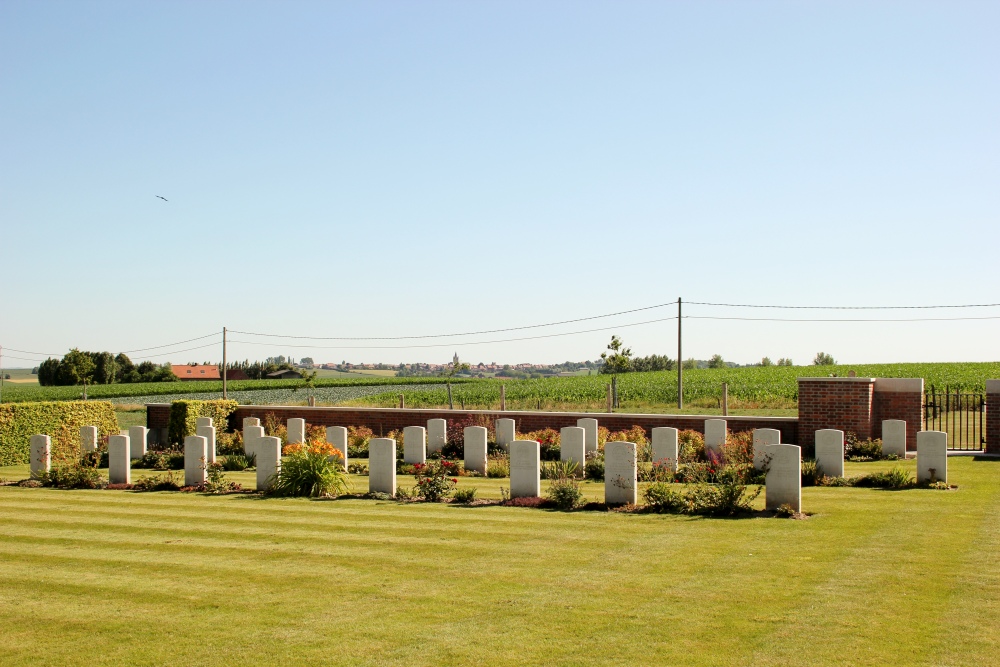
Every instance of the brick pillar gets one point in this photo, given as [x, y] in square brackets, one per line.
[993, 416]
[899, 398]
[840, 403]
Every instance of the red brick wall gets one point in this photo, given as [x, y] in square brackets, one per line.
[383, 420]
[993, 416]
[840, 403]
[907, 404]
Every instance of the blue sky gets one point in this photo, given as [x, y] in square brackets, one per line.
[410, 168]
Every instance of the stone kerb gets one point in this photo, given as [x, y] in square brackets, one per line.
[414, 445]
[208, 432]
[783, 481]
[251, 434]
[589, 425]
[894, 437]
[195, 457]
[762, 438]
[665, 447]
[830, 452]
[382, 466]
[505, 433]
[573, 445]
[119, 460]
[932, 457]
[525, 469]
[620, 473]
[993, 416]
[137, 436]
[41, 455]
[437, 435]
[268, 451]
[474, 450]
[296, 431]
[200, 422]
[715, 435]
[337, 436]
[88, 439]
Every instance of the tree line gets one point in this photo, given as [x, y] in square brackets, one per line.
[81, 367]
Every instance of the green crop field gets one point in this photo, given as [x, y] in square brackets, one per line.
[753, 387]
[872, 578]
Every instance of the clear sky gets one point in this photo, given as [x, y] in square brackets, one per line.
[409, 168]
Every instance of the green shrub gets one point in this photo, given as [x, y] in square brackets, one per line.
[811, 475]
[166, 482]
[184, 416]
[60, 419]
[73, 475]
[309, 473]
[217, 482]
[664, 497]
[465, 496]
[897, 478]
[785, 511]
[594, 468]
[565, 493]
[229, 443]
[434, 480]
[560, 469]
[237, 462]
[862, 450]
[498, 466]
[357, 469]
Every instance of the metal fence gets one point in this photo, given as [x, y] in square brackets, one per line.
[961, 415]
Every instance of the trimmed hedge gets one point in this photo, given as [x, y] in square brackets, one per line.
[184, 416]
[20, 421]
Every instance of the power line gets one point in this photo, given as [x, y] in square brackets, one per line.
[141, 349]
[200, 347]
[452, 344]
[455, 335]
[833, 319]
[748, 305]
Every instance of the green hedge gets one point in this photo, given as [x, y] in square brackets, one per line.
[20, 421]
[184, 416]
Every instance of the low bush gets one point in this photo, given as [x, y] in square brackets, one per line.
[594, 468]
[730, 495]
[217, 482]
[811, 475]
[560, 470]
[20, 421]
[237, 462]
[565, 493]
[465, 496]
[658, 471]
[309, 472]
[856, 449]
[498, 466]
[166, 482]
[896, 478]
[357, 468]
[229, 443]
[73, 475]
[434, 480]
[691, 446]
[532, 501]
[358, 438]
[184, 416]
[785, 511]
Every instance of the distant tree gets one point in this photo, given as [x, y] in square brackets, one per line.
[716, 361]
[105, 371]
[34, 371]
[620, 359]
[766, 361]
[785, 362]
[653, 362]
[690, 364]
[307, 362]
[48, 373]
[76, 368]
[824, 359]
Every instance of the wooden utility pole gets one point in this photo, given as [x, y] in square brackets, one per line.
[225, 393]
[725, 399]
[503, 398]
[680, 362]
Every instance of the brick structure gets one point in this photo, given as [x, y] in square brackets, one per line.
[383, 420]
[899, 398]
[841, 403]
[859, 405]
[993, 416]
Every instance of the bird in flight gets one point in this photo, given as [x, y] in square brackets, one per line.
[163, 198]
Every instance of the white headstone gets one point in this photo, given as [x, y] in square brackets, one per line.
[251, 434]
[894, 437]
[296, 431]
[762, 437]
[437, 435]
[932, 457]
[665, 446]
[784, 477]
[208, 432]
[475, 448]
[88, 439]
[505, 433]
[41, 455]
[119, 460]
[525, 469]
[195, 460]
[137, 436]
[382, 466]
[715, 435]
[268, 451]
[573, 445]
[203, 421]
[414, 445]
[250, 421]
[337, 436]
[620, 470]
[589, 425]
[830, 452]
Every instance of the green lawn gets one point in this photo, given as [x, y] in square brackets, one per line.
[873, 577]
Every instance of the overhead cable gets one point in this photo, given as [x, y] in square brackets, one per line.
[749, 305]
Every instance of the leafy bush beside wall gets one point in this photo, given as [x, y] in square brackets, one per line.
[184, 416]
[20, 421]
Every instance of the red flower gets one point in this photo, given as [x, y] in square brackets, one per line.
[454, 481]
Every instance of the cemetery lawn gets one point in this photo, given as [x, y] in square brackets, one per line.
[873, 578]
